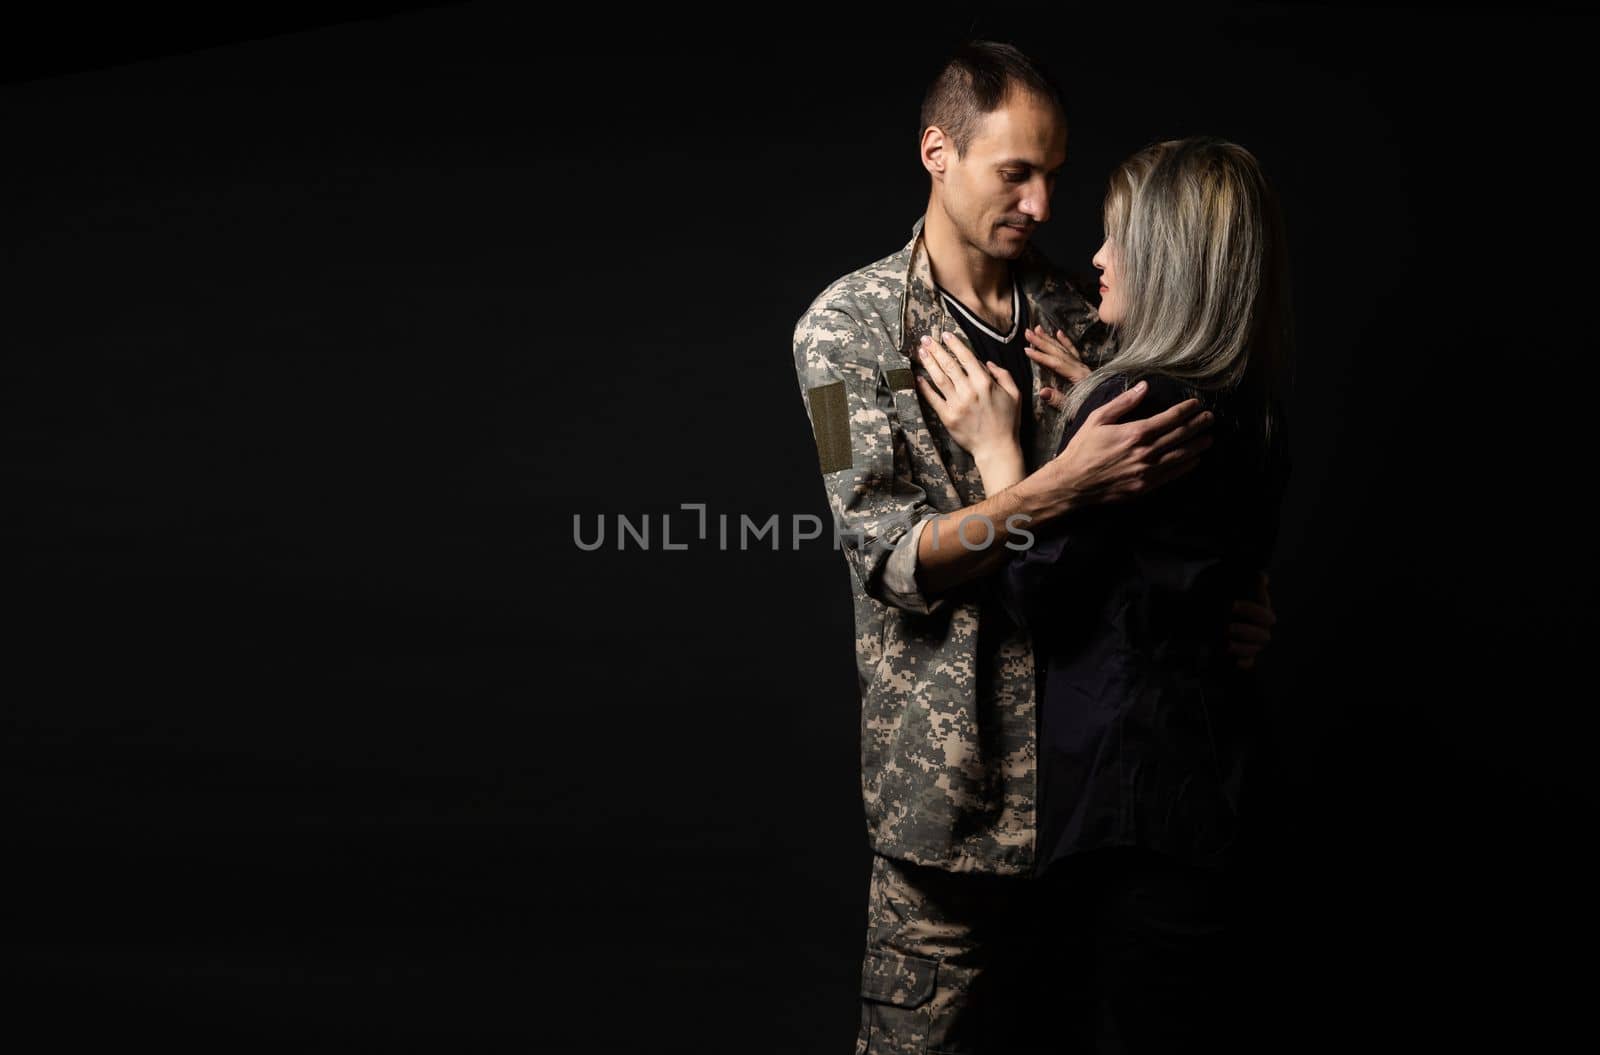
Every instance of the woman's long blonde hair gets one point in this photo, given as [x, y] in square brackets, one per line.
[1197, 243]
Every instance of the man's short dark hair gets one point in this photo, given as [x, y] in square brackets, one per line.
[975, 81]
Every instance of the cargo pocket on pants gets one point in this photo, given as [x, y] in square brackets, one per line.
[894, 991]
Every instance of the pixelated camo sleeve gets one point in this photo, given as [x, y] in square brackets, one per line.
[865, 466]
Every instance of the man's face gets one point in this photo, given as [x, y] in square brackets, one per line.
[999, 191]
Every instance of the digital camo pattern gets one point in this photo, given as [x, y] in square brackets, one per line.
[928, 938]
[948, 762]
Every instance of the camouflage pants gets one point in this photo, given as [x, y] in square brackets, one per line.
[1118, 951]
[931, 940]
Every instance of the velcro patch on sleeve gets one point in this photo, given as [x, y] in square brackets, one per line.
[830, 420]
[900, 378]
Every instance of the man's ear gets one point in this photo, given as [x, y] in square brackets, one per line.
[937, 151]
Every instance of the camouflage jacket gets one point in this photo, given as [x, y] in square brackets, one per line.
[948, 753]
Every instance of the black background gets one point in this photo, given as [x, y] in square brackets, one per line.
[322, 733]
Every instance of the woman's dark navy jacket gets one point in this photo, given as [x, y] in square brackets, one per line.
[1147, 726]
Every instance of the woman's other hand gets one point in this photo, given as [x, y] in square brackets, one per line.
[1059, 354]
[979, 405]
[1250, 630]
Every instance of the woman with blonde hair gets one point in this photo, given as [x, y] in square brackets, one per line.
[1146, 724]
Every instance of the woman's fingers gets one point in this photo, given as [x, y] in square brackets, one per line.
[966, 374]
[1055, 351]
[957, 348]
[1049, 359]
[940, 366]
[1255, 613]
[1041, 342]
[1077, 369]
[1248, 634]
[1057, 343]
[1246, 656]
[1003, 378]
[1037, 348]
[1008, 385]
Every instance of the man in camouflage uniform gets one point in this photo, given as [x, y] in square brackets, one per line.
[947, 681]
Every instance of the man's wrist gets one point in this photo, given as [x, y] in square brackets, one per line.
[1045, 494]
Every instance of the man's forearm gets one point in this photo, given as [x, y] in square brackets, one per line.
[969, 543]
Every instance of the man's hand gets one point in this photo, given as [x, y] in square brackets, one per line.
[1107, 461]
[1060, 355]
[1251, 628]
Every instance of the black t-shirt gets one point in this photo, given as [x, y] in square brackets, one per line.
[1003, 349]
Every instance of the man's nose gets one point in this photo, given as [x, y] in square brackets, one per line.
[1036, 203]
